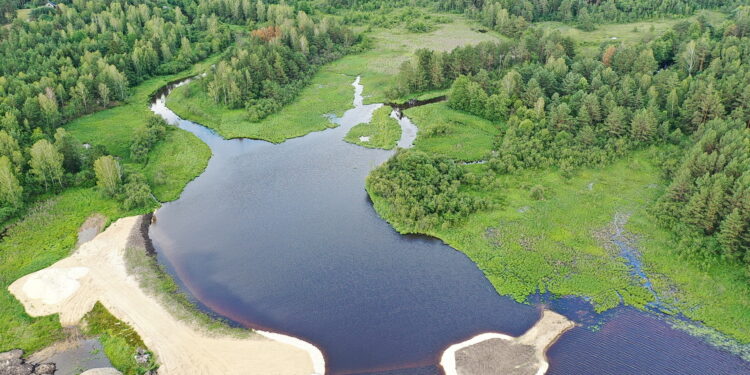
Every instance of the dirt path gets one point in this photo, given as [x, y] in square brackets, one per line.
[97, 272]
[495, 353]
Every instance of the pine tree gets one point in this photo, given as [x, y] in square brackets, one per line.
[730, 235]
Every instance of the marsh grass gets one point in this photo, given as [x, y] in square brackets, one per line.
[178, 159]
[452, 133]
[383, 131]
[526, 246]
[330, 90]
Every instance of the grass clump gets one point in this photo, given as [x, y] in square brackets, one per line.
[383, 131]
[120, 342]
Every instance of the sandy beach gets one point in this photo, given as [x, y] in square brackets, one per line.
[96, 271]
[496, 353]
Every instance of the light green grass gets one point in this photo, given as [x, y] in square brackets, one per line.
[525, 246]
[589, 41]
[23, 14]
[328, 93]
[716, 294]
[451, 133]
[330, 90]
[383, 131]
[181, 156]
[46, 234]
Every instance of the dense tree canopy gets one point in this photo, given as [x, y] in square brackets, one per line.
[423, 190]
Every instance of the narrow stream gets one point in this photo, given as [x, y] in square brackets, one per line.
[284, 238]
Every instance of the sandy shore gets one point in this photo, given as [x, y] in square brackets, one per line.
[97, 272]
[495, 353]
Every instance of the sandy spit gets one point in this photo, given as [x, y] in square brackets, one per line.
[181, 349]
[541, 336]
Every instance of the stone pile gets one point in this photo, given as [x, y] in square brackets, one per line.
[12, 363]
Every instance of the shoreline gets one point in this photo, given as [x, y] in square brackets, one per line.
[543, 334]
[97, 271]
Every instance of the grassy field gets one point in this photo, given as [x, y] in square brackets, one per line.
[383, 131]
[46, 234]
[178, 159]
[589, 41]
[455, 134]
[330, 91]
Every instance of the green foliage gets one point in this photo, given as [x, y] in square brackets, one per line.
[708, 200]
[119, 340]
[46, 164]
[10, 189]
[268, 69]
[137, 193]
[108, 175]
[383, 131]
[422, 191]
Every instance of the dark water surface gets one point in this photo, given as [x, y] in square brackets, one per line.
[284, 237]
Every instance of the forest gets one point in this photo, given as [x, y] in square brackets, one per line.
[685, 91]
[679, 98]
[84, 56]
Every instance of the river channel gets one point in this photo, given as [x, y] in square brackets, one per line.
[283, 237]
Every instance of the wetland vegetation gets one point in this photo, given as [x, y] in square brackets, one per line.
[572, 118]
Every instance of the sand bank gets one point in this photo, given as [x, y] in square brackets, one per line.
[495, 353]
[96, 271]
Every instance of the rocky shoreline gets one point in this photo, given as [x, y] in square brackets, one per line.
[13, 363]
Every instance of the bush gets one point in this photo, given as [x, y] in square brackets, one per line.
[424, 191]
[537, 193]
[137, 193]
